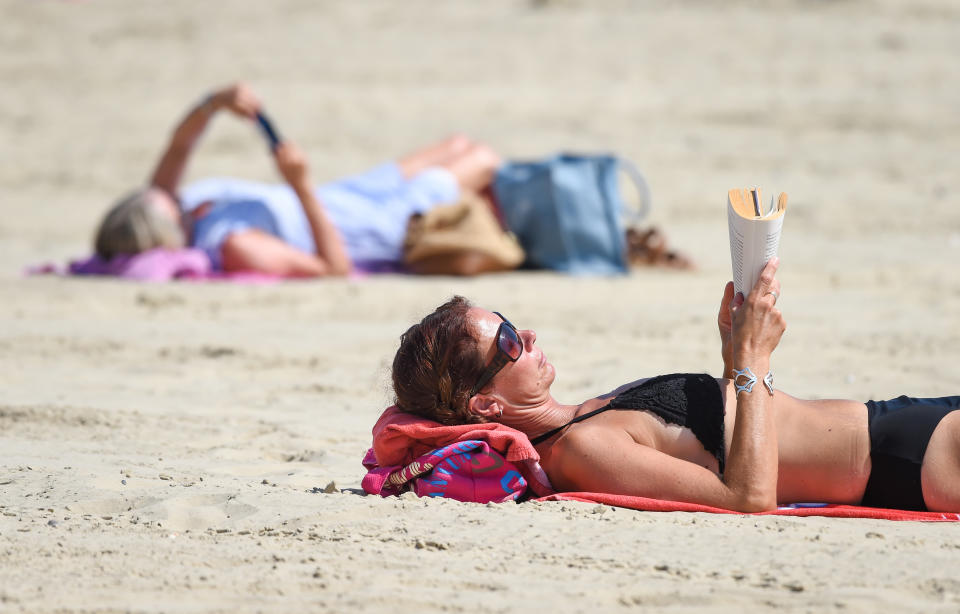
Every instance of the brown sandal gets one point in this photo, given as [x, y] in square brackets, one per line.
[648, 247]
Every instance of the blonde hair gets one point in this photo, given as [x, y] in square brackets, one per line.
[135, 225]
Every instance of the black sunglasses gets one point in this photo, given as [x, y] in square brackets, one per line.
[509, 349]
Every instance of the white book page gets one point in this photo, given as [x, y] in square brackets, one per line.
[753, 242]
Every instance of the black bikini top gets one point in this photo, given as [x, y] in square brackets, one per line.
[690, 400]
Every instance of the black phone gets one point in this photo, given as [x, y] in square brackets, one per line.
[273, 138]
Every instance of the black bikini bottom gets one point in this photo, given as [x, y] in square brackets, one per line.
[900, 430]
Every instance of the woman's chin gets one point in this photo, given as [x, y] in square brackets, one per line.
[549, 373]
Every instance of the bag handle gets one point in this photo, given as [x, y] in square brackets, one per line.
[637, 214]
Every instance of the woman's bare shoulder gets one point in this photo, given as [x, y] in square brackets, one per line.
[583, 449]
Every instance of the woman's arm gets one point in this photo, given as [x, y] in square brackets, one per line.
[752, 461]
[330, 251]
[237, 98]
[590, 459]
[253, 250]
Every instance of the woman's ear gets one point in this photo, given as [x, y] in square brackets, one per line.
[485, 406]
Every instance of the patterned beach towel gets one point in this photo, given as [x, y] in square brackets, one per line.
[466, 471]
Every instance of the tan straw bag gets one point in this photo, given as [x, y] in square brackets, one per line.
[464, 238]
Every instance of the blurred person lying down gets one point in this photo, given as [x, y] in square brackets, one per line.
[296, 229]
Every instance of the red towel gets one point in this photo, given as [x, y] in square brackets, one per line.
[834, 511]
[399, 438]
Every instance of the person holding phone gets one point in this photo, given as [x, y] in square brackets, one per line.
[295, 229]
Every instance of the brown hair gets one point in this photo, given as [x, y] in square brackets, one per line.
[135, 225]
[437, 364]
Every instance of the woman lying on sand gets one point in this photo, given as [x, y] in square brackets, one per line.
[735, 443]
[296, 229]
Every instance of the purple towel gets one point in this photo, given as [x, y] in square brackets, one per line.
[163, 264]
[152, 265]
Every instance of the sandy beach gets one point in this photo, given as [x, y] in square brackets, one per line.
[196, 447]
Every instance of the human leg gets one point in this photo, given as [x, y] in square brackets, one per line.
[433, 155]
[472, 164]
[900, 431]
[475, 167]
[940, 473]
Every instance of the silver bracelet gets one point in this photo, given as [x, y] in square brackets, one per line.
[750, 377]
[750, 380]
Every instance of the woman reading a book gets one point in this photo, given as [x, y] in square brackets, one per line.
[296, 229]
[734, 442]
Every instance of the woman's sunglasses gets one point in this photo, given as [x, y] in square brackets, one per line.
[509, 349]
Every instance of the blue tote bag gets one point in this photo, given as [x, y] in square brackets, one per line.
[568, 213]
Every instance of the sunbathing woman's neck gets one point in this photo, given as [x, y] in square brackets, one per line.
[536, 419]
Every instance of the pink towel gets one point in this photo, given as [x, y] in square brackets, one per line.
[163, 264]
[159, 264]
[152, 265]
[401, 439]
[798, 509]
[465, 471]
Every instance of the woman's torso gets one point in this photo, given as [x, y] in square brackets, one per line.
[219, 207]
[370, 210]
[823, 446]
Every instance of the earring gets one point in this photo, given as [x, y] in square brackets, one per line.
[500, 415]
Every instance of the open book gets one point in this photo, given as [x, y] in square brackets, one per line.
[754, 234]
